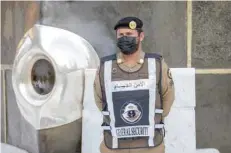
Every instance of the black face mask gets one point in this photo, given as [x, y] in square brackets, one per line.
[127, 45]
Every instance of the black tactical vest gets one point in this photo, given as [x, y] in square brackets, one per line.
[132, 105]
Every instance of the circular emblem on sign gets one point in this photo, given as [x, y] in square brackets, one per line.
[132, 25]
[131, 112]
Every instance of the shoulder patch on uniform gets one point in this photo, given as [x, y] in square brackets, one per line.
[171, 83]
[114, 70]
[169, 73]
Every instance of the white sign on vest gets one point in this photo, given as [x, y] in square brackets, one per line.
[179, 124]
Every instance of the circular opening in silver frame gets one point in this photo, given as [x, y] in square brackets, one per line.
[43, 77]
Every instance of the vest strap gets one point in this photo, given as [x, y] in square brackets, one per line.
[153, 55]
[106, 128]
[105, 113]
[159, 126]
[159, 111]
[108, 58]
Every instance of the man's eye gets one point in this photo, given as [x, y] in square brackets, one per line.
[128, 34]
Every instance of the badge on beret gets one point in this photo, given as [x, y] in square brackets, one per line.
[132, 25]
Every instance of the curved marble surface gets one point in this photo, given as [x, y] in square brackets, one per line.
[69, 55]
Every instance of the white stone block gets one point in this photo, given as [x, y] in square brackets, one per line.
[6, 148]
[89, 100]
[180, 131]
[184, 80]
[208, 150]
[91, 131]
[92, 117]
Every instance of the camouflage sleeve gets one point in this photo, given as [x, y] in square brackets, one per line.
[97, 91]
[168, 90]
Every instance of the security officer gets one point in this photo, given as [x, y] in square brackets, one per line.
[135, 91]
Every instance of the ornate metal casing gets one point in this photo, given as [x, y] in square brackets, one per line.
[48, 76]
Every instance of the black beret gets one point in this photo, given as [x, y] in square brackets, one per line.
[129, 22]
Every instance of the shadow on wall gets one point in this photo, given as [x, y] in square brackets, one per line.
[164, 24]
[83, 19]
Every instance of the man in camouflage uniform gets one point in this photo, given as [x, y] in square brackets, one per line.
[135, 91]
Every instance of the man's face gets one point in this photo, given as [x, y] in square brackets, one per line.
[129, 32]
